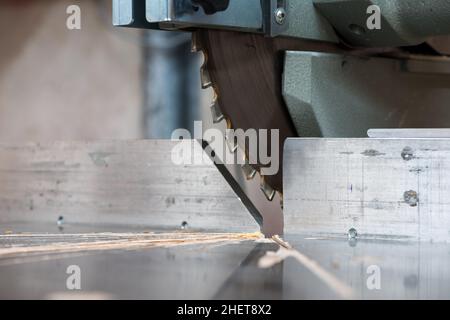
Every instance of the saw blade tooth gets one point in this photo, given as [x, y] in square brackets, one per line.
[205, 77]
[268, 191]
[231, 143]
[249, 171]
[232, 146]
[196, 45]
[216, 113]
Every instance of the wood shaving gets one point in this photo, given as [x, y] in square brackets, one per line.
[118, 242]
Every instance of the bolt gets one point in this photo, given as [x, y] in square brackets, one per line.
[411, 198]
[60, 223]
[407, 153]
[280, 15]
[352, 233]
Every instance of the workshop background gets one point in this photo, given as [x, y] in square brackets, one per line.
[99, 82]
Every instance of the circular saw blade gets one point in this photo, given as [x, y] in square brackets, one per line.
[245, 71]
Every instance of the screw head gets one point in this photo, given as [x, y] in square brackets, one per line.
[352, 233]
[280, 15]
[407, 154]
[411, 197]
[184, 225]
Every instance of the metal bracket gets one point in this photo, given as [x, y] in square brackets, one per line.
[297, 19]
[179, 14]
[266, 16]
[276, 20]
[130, 13]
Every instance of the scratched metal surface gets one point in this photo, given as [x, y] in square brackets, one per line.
[407, 269]
[394, 189]
[116, 183]
[230, 271]
[195, 271]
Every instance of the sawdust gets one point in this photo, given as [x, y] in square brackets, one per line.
[118, 242]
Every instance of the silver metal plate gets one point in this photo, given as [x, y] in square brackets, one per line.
[227, 271]
[394, 189]
[116, 183]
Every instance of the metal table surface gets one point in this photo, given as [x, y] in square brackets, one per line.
[227, 269]
[122, 205]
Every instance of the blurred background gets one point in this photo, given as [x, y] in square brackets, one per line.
[99, 82]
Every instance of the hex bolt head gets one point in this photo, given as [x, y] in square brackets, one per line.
[407, 153]
[411, 197]
[280, 16]
[352, 233]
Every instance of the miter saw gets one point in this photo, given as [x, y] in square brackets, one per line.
[364, 218]
[313, 68]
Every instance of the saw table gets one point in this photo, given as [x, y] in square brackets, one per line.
[359, 217]
[139, 227]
